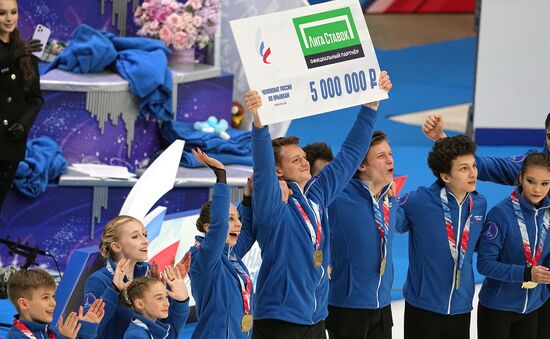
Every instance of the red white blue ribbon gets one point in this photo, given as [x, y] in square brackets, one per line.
[530, 259]
[459, 260]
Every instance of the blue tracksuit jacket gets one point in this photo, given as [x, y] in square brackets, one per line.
[289, 287]
[169, 328]
[40, 331]
[356, 250]
[431, 277]
[502, 260]
[100, 286]
[501, 170]
[214, 280]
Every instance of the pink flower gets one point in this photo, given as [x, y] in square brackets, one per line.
[165, 34]
[174, 20]
[179, 40]
[196, 4]
[154, 25]
[165, 2]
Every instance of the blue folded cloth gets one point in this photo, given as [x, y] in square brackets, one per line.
[141, 61]
[89, 51]
[43, 162]
[238, 144]
[188, 160]
[150, 79]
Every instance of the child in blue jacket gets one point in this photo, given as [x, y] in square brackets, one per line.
[220, 282]
[292, 288]
[514, 256]
[444, 222]
[32, 292]
[124, 244]
[362, 227]
[151, 301]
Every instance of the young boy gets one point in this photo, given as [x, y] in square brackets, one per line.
[32, 292]
[362, 225]
[292, 288]
[444, 222]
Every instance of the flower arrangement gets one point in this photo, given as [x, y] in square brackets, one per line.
[179, 25]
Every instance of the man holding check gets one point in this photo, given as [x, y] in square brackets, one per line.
[292, 288]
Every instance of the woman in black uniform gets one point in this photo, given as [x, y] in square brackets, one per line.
[20, 97]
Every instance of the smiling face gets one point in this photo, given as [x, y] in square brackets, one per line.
[234, 226]
[132, 242]
[8, 18]
[39, 307]
[377, 169]
[535, 183]
[293, 165]
[463, 175]
[154, 304]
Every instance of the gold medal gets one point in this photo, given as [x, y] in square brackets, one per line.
[246, 322]
[529, 285]
[317, 258]
[382, 267]
[457, 279]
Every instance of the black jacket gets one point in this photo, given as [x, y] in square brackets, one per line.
[16, 104]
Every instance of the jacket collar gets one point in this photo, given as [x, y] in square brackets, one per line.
[155, 328]
[363, 187]
[34, 326]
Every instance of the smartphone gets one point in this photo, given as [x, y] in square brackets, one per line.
[41, 33]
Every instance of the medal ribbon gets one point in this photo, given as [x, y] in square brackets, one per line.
[450, 230]
[382, 224]
[315, 236]
[530, 259]
[18, 324]
[245, 282]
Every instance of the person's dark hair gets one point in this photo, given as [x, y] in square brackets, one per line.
[547, 122]
[204, 217]
[445, 150]
[278, 144]
[535, 159]
[25, 62]
[138, 288]
[318, 150]
[377, 138]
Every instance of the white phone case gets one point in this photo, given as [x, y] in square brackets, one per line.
[41, 33]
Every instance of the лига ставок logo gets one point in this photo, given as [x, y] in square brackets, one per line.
[328, 37]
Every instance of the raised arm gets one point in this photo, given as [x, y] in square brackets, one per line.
[267, 193]
[211, 249]
[335, 176]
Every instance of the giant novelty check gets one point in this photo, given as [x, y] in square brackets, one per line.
[309, 60]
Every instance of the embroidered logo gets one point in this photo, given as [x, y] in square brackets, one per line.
[491, 231]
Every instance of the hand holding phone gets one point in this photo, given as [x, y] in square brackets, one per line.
[41, 35]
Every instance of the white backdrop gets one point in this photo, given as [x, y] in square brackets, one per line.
[513, 65]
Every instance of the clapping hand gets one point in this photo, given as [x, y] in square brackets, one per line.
[70, 326]
[95, 312]
[176, 283]
[120, 272]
